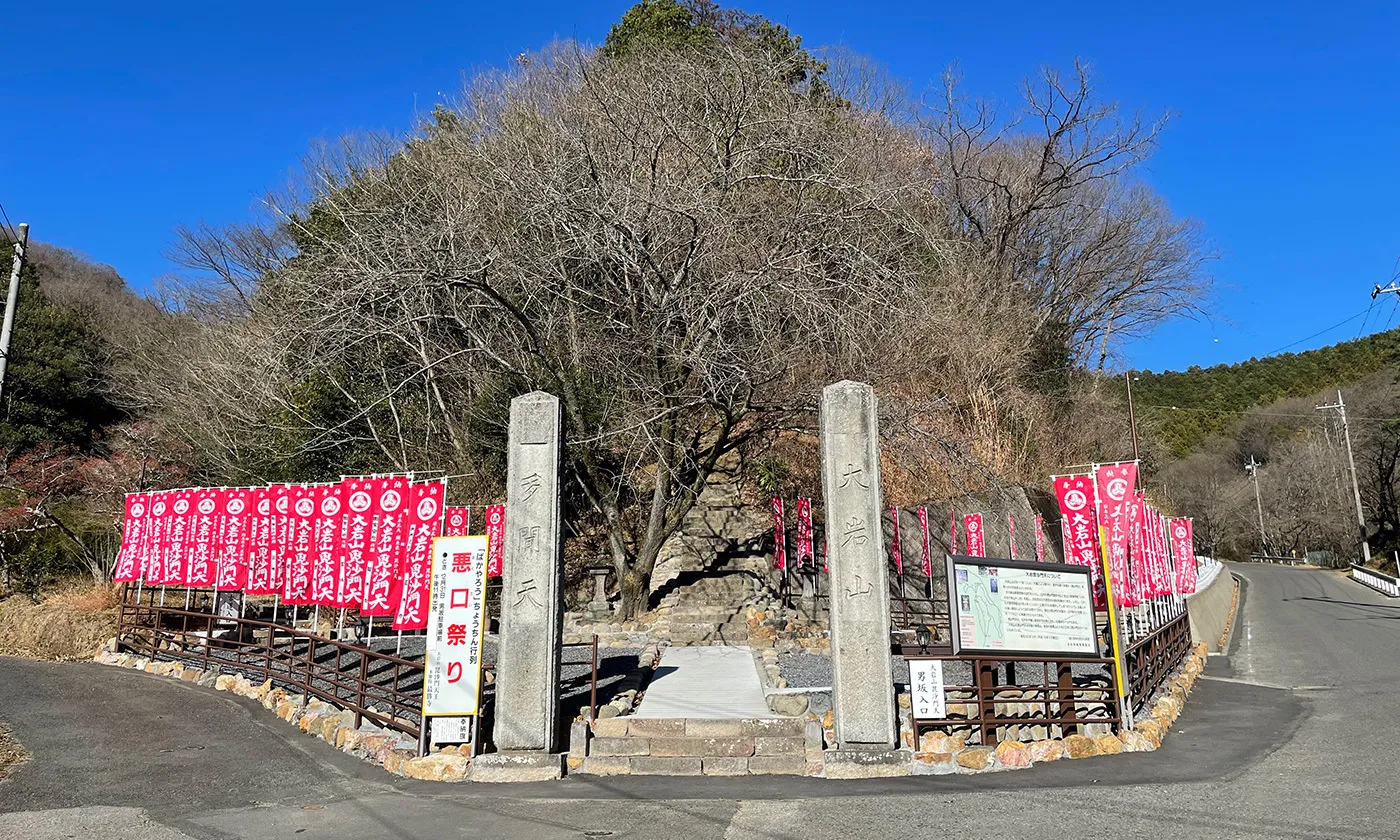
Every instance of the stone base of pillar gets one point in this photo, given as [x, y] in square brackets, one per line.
[855, 763]
[517, 767]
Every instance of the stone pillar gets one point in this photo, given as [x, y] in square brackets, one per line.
[863, 685]
[527, 666]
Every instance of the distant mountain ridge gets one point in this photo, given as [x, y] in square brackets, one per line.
[1216, 396]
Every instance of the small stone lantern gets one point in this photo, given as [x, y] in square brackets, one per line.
[599, 609]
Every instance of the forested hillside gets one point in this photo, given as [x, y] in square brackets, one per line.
[1186, 408]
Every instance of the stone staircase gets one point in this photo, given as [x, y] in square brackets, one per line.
[709, 608]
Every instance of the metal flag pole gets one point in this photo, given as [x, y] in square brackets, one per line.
[316, 619]
[340, 625]
[162, 594]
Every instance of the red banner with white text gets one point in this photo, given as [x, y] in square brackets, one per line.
[976, 539]
[1184, 549]
[1039, 538]
[1115, 486]
[805, 556]
[134, 521]
[329, 502]
[779, 533]
[496, 534]
[896, 547]
[231, 555]
[382, 582]
[926, 552]
[458, 522]
[1073, 492]
[425, 508]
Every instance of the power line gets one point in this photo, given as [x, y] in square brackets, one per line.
[1366, 311]
[1263, 411]
[10, 232]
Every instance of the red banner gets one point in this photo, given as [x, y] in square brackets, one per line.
[1138, 542]
[301, 520]
[1011, 529]
[1039, 538]
[134, 519]
[976, 539]
[459, 522]
[153, 561]
[329, 500]
[1080, 531]
[1162, 577]
[177, 538]
[424, 522]
[895, 548]
[926, 553]
[259, 544]
[199, 567]
[358, 520]
[1114, 483]
[779, 533]
[496, 534]
[281, 545]
[804, 533]
[382, 582]
[231, 554]
[1184, 550]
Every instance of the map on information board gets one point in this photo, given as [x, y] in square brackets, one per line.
[1004, 606]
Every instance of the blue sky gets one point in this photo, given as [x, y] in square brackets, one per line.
[119, 122]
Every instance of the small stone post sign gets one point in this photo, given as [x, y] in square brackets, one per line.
[863, 687]
[527, 687]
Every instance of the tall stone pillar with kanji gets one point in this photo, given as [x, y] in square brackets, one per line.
[527, 665]
[863, 684]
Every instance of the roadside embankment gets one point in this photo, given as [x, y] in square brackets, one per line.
[66, 626]
[1212, 609]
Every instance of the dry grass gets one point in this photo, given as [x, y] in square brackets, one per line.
[12, 753]
[69, 625]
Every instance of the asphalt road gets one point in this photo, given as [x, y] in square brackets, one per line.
[1292, 735]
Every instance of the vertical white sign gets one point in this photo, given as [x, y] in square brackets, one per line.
[456, 622]
[926, 689]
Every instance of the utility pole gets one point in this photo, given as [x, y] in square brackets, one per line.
[1253, 469]
[1132, 418]
[1341, 408]
[11, 301]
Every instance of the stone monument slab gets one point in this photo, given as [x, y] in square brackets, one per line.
[863, 684]
[527, 668]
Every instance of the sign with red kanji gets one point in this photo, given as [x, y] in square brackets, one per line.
[456, 623]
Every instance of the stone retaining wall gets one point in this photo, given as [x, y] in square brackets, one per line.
[694, 747]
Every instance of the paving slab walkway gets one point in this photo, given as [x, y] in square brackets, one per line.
[717, 681]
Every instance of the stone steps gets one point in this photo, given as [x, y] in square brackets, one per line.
[695, 747]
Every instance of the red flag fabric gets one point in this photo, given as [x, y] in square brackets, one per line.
[281, 534]
[134, 521]
[382, 582]
[926, 554]
[424, 522]
[329, 499]
[976, 539]
[1039, 538]
[358, 521]
[496, 533]
[1011, 529]
[895, 548]
[779, 533]
[1184, 549]
[459, 522]
[1080, 530]
[1114, 485]
[1162, 568]
[301, 519]
[177, 539]
[804, 533]
[953, 532]
[153, 562]
[1138, 542]
[231, 558]
[259, 544]
[200, 568]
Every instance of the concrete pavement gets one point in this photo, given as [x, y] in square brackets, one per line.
[1291, 736]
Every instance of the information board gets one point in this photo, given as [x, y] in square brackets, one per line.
[1009, 607]
[456, 623]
